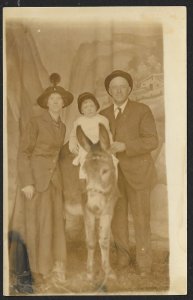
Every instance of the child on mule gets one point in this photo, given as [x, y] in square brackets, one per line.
[89, 121]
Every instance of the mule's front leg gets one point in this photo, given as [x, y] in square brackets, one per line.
[104, 241]
[89, 220]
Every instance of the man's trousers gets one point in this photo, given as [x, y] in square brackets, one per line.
[139, 201]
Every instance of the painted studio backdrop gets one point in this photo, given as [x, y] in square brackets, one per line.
[84, 53]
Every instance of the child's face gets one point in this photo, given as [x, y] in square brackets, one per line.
[88, 108]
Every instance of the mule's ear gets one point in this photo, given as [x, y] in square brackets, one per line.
[104, 137]
[83, 140]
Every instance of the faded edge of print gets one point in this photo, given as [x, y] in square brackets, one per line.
[84, 51]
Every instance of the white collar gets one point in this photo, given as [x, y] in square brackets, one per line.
[122, 107]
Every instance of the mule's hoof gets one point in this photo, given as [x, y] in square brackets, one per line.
[111, 275]
[90, 276]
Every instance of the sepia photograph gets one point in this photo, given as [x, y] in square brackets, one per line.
[94, 151]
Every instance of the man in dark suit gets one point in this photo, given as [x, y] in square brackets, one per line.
[135, 136]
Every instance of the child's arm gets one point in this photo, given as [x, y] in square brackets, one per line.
[73, 142]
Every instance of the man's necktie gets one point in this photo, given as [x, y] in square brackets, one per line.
[119, 113]
[118, 116]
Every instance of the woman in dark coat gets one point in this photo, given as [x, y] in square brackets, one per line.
[38, 213]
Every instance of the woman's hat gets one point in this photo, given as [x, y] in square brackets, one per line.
[118, 73]
[85, 96]
[66, 96]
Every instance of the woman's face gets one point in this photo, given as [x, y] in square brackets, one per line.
[55, 103]
[88, 108]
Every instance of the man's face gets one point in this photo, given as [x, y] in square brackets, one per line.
[119, 89]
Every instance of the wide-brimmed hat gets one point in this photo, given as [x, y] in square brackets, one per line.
[118, 73]
[85, 96]
[54, 88]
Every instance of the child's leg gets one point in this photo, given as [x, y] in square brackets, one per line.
[115, 163]
[82, 174]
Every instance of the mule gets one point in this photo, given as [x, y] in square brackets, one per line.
[101, 195]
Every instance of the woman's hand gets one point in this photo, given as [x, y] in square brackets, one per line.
[28, 191]
[117, 147]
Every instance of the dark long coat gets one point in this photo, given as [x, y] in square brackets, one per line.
[39, 221]
[39, 153]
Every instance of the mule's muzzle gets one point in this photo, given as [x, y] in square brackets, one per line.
[96, 201]
[95, 209]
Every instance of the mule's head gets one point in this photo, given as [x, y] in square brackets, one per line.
[99, 169]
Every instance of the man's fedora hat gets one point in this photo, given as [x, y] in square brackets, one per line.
[85, 96]
[118, 73]
[54, 88]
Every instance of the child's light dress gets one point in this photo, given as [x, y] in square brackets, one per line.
[90, 126]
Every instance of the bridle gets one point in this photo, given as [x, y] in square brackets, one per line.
[98, 191]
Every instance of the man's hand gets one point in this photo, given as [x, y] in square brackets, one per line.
[75, 150]
[28, 191]
[118, 147]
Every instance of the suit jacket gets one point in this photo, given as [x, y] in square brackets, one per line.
[136, 128]
[39, 151]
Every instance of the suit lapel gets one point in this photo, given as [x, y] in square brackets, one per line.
[62, 132]
[126, 112]
[112, 119]
[125, 115]
[49, 123]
